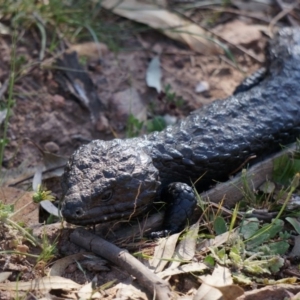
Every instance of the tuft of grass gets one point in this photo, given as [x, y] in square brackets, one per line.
[257, 247]
[285, 167]
[135, 127]
[48, 249]
[169, 99]
[10, 100]
[172, 98]
[72, 20]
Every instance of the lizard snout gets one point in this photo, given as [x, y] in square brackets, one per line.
[71, 211]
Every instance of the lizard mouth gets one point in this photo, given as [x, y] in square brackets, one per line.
[96, 215]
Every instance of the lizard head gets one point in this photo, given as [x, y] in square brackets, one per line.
[108, 180]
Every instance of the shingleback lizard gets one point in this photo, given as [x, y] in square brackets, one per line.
[111, 180]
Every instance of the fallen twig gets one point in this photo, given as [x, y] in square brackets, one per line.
[288, 8]
[232, 190]
[284, 12]
[91, 242]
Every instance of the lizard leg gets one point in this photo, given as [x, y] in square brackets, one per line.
[181, 201]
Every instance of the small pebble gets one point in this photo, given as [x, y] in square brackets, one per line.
[170, 120]
[51, 147]
[58, 101]
[202, 86]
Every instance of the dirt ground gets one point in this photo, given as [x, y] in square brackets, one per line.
[53, 119]
[46, 114]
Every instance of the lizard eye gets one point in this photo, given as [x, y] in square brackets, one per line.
[106, 196]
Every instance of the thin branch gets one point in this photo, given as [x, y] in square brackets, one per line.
[155, 285]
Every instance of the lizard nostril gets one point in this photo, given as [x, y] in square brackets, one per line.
[79, 212]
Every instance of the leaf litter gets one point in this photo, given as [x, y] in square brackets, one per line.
[183, 64]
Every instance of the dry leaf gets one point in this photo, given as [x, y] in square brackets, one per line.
[4, 30]
[230, 292]
[217, 285]
[187, 268]
[37, 178]
[185, 251]
[44, 284]
[163, 252]
[274, 292]
[223, 238]
[58, 268]
[89, 49]
[201, 87]
[129, 291]
[48, 206]
[88, 292]
[239, 33]
[169, 23]
[153, 75]
[4, 276]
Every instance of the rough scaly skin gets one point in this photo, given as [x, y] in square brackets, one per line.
[109, 180]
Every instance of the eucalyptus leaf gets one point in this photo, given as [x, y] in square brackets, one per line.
[220, 225]
[295, 223]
